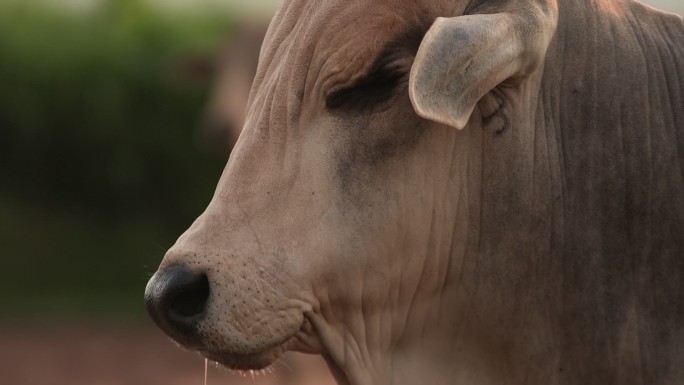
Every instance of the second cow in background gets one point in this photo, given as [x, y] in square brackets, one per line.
[234, 69]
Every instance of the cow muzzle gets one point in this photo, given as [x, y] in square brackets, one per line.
[176, 299]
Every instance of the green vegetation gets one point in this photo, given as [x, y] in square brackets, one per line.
[98, 161]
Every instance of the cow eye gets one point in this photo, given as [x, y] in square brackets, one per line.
[368, 92]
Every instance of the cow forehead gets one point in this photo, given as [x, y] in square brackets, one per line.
[316, 44]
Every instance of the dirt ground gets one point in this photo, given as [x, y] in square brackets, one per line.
[87, 354]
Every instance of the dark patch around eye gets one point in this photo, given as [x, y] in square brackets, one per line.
[372, 90]
[383, 78]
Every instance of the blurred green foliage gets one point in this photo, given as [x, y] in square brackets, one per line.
[99, 168]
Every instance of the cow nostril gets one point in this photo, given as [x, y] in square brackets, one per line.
[176, 299]
[190, 299]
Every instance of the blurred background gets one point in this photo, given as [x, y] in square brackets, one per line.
[116, 119]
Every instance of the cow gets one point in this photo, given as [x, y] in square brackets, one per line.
[449, 192]
[235, 68]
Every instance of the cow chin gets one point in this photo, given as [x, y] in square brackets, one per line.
[256, 354]
[249, 343]
[253, 361]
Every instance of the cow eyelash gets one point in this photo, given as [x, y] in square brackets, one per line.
[373, 89]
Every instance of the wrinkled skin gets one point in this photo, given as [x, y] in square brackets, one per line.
[511, 211]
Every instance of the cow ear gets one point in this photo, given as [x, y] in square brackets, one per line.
[462, 58]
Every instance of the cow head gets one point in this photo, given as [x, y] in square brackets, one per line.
[350, 203]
